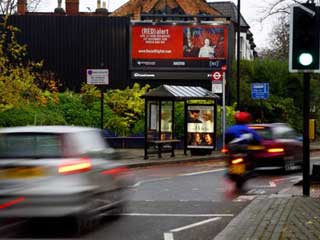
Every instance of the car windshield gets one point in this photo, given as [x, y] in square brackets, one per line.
[264, 132]
[30, 145]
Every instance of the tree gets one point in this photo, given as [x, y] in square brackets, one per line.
[8, 7]
[279, 44]
[20, 78]
[128, 107]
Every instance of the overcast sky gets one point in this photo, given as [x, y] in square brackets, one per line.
[249, 8]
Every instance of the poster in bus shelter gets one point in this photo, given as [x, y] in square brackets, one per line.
[178, 46]
[200, 126]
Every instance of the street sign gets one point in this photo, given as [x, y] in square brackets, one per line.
[217, 87]
[260, 90]
[98, 76]
[217, 76]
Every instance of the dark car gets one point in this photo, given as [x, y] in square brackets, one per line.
[280, 147]
[59, 171]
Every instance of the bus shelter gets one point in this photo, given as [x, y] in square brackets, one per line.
[199, 119]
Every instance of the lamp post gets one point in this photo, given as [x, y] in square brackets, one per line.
[238, 56]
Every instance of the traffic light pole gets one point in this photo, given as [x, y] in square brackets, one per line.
[306, 141]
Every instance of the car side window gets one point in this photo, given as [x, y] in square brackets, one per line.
[283, 132]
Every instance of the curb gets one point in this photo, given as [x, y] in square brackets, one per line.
[216, 159]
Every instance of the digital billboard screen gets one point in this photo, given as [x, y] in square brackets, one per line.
[178, 46]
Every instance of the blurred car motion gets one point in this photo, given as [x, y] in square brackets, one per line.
[280, 147]
[58, 171]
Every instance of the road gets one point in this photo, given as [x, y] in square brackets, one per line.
[171, 202]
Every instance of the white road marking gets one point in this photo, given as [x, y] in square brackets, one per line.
[244, 198]
[150, 180]
[287, 178]
[170, 235]
[175, 215]
[203, 172]
[179, 175]
[272, 184]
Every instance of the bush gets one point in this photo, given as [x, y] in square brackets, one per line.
[30, 115]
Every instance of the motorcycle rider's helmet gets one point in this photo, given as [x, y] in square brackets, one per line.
[242, 117]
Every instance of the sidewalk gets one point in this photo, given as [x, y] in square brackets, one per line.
[287, 215]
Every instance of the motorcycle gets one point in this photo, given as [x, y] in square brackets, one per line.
[240, 160]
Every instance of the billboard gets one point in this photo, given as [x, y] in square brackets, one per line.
[200, 126]
[188, 46]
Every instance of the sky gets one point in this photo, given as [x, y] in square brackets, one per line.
[250, 9]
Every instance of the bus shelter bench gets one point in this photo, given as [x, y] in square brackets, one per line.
[159, 144]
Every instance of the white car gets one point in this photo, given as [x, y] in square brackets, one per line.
[59, 171]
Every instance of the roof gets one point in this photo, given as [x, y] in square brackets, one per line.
[46, 129]
[229, 9]
[189, 7]
[179, 93]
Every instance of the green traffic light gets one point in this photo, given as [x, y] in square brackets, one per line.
[305, 59]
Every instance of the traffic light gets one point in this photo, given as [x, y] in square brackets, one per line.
[304, 39]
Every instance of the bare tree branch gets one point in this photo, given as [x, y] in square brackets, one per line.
[8, 7]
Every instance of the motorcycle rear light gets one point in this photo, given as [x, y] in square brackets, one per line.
[237, 161]
[224, 150]
[75, 166]
[115, 171]
[275, 150]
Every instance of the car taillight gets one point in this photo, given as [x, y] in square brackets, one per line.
[237, 161]
[275, 150]
[75, 166]
[115, 171]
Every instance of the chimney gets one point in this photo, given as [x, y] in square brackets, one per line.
[72, 7]
[22, 7]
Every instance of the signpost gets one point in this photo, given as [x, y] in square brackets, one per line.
[260, 90]
[100, 78]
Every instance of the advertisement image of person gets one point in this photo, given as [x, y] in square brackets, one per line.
[196, 139]
[207, 51]
[194, 116]
[207, 123]
[208, 139]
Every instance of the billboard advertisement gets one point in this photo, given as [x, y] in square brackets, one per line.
[200, 126]
[178, 46]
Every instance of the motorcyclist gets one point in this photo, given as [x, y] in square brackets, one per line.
[237, 139]
[240, 128]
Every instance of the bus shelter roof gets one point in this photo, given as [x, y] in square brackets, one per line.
[179, 93]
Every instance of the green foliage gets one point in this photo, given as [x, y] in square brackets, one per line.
[286, 94]
[179, 119]
[127, 107]
[30, 115]
[18, 79]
